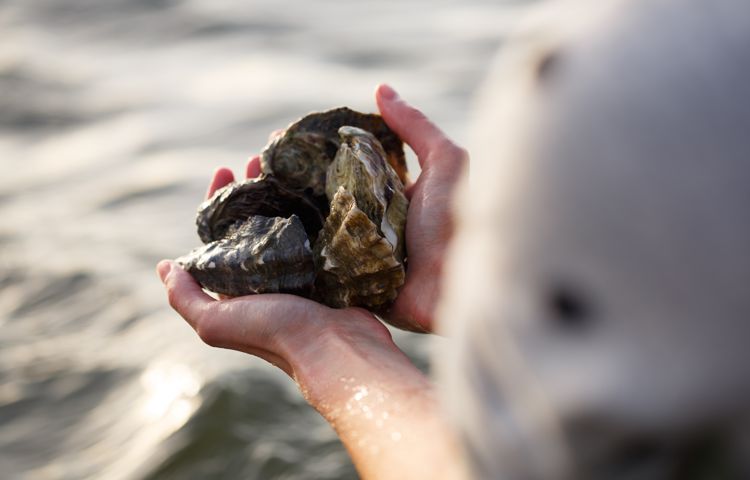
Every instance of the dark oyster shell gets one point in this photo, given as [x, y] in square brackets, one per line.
[335, 186]
[261, 255]
[265, 196]
[300, 156]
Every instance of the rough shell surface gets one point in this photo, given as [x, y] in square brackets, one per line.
[360, 166]
[265, 196]
[360, 251]
[261, 255]
[300, 156]
[355, 264]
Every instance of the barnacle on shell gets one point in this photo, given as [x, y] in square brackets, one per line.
[334, 180]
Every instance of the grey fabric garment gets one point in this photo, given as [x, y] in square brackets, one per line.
[598, 291]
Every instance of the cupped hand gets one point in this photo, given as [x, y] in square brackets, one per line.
[429, 225]
[279, 327]
[285, 330]
[311, 342]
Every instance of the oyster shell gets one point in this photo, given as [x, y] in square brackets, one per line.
[260, 255]
[265, 196]
[355, 264]
[325, 183]
[300, 156]
[360, 251]
[360, 167]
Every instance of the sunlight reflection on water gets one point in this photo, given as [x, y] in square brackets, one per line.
[171, 395]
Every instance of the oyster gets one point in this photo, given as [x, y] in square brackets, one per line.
[265, 196]
[300, 156]
[260, 255]
[360, 167]
[355, 264]
[360, 251]
[326, 183]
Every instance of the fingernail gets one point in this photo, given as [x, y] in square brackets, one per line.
[387, 92]
[163, 269]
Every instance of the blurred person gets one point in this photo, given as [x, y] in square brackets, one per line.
[596, 292]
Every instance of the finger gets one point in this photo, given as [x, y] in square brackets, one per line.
[423, 136]
[222, 177]
[214, 328]
[253, 167]
[409, 191]
[184, 294]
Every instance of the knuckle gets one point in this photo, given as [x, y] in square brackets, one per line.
[416, 115]
[173, 298]
[207, 331]
[442, 146]
[445, 145]
[449, 153]
[462, 155]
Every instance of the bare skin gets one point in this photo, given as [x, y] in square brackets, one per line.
[344, 361]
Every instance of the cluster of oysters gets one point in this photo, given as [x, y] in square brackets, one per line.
[324, 220]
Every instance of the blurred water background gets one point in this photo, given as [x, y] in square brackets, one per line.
[113, 115]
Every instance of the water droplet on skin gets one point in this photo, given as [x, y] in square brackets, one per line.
[362, 392]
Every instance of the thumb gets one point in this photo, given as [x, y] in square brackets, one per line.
[184, 294]
[423, 136]
[213, 325]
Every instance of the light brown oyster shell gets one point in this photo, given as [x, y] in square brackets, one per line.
[260, 255]
[355, 263]
[360, 166]
[359, 255]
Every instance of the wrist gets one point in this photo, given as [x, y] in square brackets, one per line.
[382, 407]
[349, 353]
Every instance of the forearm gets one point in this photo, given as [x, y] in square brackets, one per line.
[383, 409]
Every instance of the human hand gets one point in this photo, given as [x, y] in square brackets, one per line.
[279, 327]
[276, 327]
[303, 338]
[429, 225]
[290, 332]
